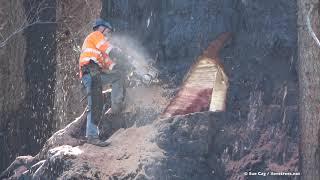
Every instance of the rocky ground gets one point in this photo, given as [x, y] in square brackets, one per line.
[173, 148]
[194, 146]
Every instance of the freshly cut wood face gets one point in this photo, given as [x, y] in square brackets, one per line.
[205, 86]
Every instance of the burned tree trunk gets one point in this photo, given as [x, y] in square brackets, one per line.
[309, 82]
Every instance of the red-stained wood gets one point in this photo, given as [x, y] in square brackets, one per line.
[196, 91]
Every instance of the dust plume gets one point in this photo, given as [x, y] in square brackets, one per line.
[140, 58]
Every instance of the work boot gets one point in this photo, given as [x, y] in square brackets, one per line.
[98, 142]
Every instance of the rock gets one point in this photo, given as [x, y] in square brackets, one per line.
[169, 148]
[18, 167]
[72, 134]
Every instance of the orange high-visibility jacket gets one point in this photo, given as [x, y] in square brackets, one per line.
[96, 47]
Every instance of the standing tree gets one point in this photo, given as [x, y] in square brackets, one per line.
[18, 22]
[309, 82]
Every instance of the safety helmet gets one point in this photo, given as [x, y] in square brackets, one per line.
[101, 22]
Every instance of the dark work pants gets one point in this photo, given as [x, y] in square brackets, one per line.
[93, 85]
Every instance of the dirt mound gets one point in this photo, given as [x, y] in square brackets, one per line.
[173, 147]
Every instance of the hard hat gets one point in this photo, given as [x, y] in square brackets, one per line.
[101, 22]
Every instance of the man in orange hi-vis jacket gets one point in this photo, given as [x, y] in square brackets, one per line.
[96, 69]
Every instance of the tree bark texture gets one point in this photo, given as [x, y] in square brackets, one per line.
[309, 87]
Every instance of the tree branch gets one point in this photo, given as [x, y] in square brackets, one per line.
[28, 19]
[3, 43]
[310, 27]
